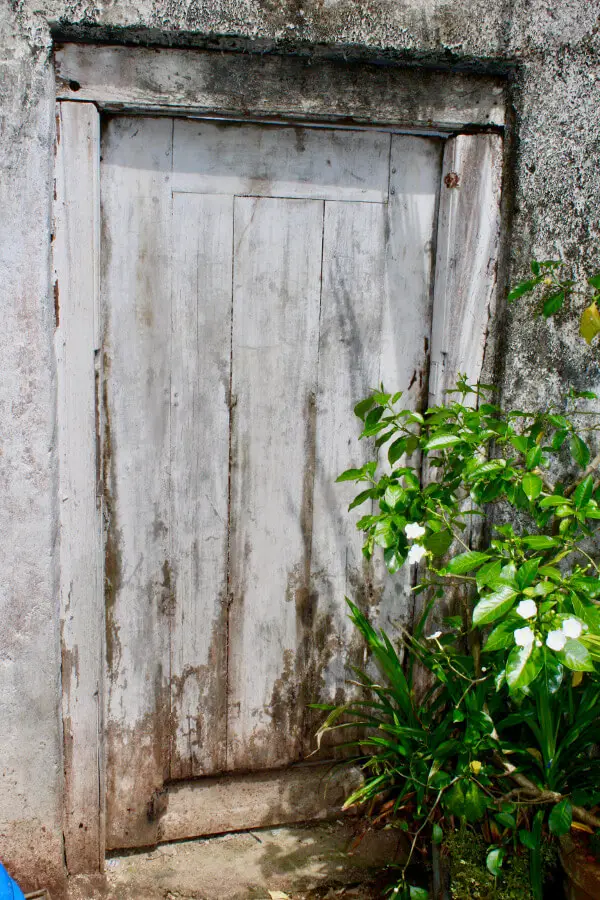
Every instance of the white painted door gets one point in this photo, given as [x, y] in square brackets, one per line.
[256, 282]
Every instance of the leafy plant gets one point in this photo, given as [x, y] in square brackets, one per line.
[500, 739]
[554, 291]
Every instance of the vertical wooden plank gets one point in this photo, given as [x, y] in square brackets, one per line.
[137, 262]
[76, 297]
[415, 166]
[352, 304]
[277, 270]
[467, 257]
[201, 347]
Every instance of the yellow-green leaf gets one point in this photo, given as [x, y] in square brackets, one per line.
[589, 325]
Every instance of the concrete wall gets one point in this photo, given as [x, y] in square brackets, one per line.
[552, 52]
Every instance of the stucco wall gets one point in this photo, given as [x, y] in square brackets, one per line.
[552, 52]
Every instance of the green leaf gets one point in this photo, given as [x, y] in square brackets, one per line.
[523, 288]
[534, 457]
[561, 817]
[418, 893]
[454, 800]
[589, 324]
[579, 450]
[475, 802]
[523, 666]
[527, 839]
[494, 606]
[437, 835]
[441, 441]
[535, 267]
[540, 541]
[493, 861]
[532, 485]
[438, 542]
[575, 656]
[527, 572]
[396, 450]
[552, 304]
[595, 281]
[360, 498]
[350, 475]
[363, 407]
[583, 492]
[384, 534]
[553, 500]
[506, 820]
[466, 562]
[501, 637]
[394, 495]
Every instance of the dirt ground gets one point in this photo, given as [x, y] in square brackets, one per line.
[305, 862]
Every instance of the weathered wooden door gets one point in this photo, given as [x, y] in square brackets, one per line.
[256, 282]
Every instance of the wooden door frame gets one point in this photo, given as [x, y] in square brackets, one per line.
[95, 79]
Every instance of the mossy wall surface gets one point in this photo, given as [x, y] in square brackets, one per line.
[549, 50]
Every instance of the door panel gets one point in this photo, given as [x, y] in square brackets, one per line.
[239, 332]
[199, 465]
[276, 295]
[270, 161]
[135, 286]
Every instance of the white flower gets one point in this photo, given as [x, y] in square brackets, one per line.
[434, 636]
[524, 637]
[413, 530]
[527, 609]
[572, 628]
[556, 640]
[416, 553]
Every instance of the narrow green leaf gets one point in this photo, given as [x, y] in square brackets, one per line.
[535, 267]
[561, 817]
[553, 500]
[360, 498]
[523, 288]
[350, 475]
[595, 281]
[442, 441]
[583, 492]
[494, 606]
[466, 562]
[437, 835]
[540, 541]
[579, 450]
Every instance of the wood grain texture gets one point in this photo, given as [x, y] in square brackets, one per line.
[200, 373]
[415, 166]
[144, 79]
[76, 299]
[275, 342]
[467, 258]
[275, 161]
[136, 291]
